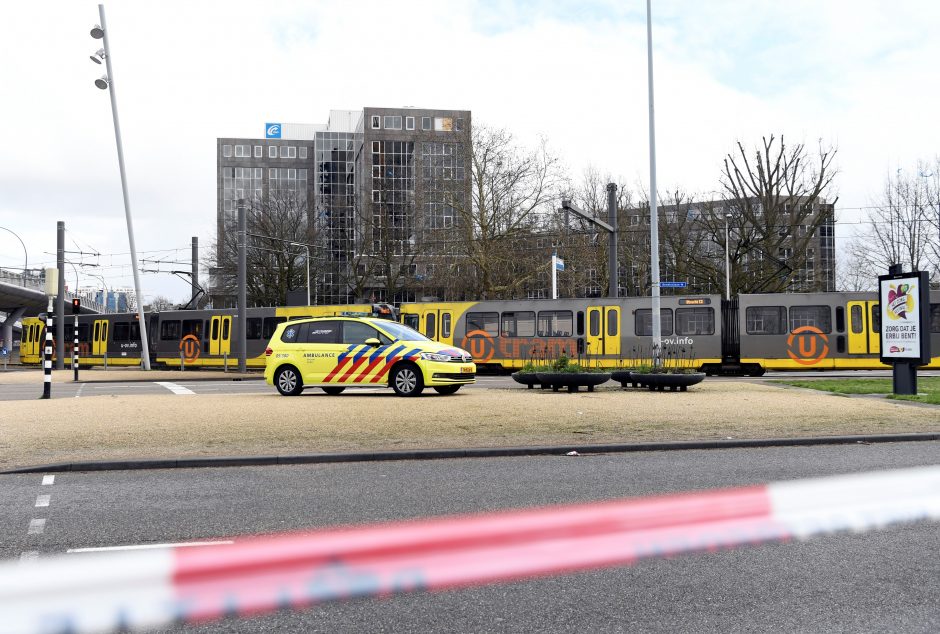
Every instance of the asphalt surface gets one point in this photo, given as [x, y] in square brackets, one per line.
[880, 581]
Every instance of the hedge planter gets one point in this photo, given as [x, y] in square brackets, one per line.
[572, 380]
[529, 379]
[663, 381]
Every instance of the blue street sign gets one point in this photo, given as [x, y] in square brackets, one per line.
[672, 285]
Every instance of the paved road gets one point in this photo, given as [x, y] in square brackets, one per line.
[64, 387]
[881, 581]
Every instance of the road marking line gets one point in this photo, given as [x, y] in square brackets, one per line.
[48, 479]
[80, 388]
[36, 526]
[173, 387]
[149, 546]
[43, 500]
[29, 556]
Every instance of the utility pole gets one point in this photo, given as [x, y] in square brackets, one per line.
[195, 267]
[612, 268]
[60, 297]
[242, 320]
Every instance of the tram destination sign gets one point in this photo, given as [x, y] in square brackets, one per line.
[904, 300]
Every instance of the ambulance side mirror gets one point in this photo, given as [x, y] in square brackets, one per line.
[372, 341]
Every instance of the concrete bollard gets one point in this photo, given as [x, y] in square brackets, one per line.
[225, 362]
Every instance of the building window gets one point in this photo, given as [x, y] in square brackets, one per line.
[409, 123]
[443, 124]
[272, 151]
[303, 152]
[291, 152]
[392, 122]
[376, 122]
[376, 147]
[425, 123]
[458, 125]
[257, 151]
[242, 151]
[227, 151]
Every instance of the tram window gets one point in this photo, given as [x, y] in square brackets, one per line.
[411, 320]
[193, 327]
[135, 331]
[935, 318]
[445, 324]
[83, 332]
[643, 326]
[253, 328]
[612, 326]
[518, 324]
[594, 323]
[765, 320]
[580, 323]
[430, 326]
[555, 323]
[875, 318]
[856, 322]
[97, 331]
[270, 325]
[840, 319]
[169, 330]
[695, 321]
[816, 316]
[215, 330]
[122, 331]
[225, 323]
[487, 322]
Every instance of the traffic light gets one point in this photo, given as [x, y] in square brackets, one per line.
[76, 305]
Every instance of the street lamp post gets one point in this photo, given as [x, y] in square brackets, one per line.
[654, 217]
[307, 263]
[727, 260]
[25, 254]
[107, 83]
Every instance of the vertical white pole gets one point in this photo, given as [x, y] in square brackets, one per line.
[554, 276]
[654, 216]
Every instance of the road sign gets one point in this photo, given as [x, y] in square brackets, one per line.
[672, 284]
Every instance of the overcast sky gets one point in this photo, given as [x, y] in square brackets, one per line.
[858, 74]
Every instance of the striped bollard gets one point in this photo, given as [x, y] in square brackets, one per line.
[75, 350]
[47, 357]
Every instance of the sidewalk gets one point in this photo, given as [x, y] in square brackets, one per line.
[99, 375]
[169, 426]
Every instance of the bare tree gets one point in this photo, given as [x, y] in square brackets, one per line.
[158, 303]
[274, 265]
[511, 191]
[900, 226]
[775, 195]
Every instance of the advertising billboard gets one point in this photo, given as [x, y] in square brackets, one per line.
[905, 317]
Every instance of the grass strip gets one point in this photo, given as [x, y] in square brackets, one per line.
[928, 388]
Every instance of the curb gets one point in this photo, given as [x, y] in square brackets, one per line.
[486, 452]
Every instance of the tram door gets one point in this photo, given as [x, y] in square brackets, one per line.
[436, 324]
[220, 335]
[864, 327]
[99, 338]
[603, 331]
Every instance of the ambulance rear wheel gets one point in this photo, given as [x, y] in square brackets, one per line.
[288, 381]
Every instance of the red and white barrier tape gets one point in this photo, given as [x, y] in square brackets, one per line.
[138, 589]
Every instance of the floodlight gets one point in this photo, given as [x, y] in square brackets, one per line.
[97, 32]
[103, 82]
[98, 56]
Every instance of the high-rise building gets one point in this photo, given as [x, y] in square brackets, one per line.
[373, 185]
